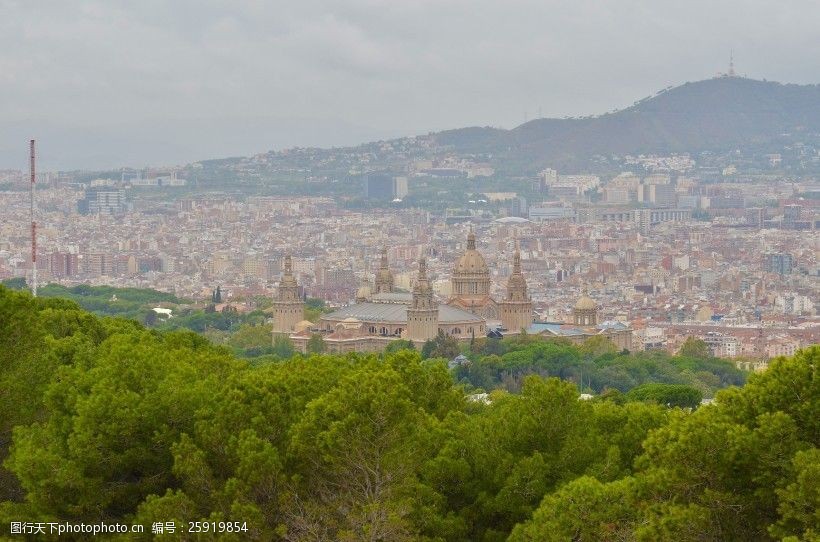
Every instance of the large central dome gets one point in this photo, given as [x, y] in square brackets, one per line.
[471, 262]
[471, 276]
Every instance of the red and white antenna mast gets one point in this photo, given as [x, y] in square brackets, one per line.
[33, 226]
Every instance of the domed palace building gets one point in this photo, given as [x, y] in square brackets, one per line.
[381, 314]
[585, 325]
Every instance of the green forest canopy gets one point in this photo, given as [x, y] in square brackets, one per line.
[105, 420]
[104, 300]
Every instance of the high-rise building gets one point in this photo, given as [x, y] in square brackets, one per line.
[547, 178]
[780, 263]
[255, 267]
[643, 219]
[102, 200]
[64, 264]
[146, 264]
[96, 264]
[519, 207]
[791, 214]
[662, 195]
[400, 190]
[756, 216]
[728, 200]
[384, 186]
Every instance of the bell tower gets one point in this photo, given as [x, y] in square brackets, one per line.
[516, 308]
[288, 307]
[384, 278]
[422, 316]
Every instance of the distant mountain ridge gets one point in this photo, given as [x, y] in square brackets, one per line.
[714, 114]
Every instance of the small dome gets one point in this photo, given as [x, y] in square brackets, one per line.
[349, 323]
[585, 303]
[303, 325]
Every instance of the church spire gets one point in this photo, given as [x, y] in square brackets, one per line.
[384, 278]
[517, 259]
[516, 284]
[471, 239]
[288, 280]
[422, 291]
[516, 308]
[422, 315]
[422, 270]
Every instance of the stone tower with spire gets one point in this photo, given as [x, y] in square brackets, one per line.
[384, 278]
[288, 307]
[422, 316]
[516, 307]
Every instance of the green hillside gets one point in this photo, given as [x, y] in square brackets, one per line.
[714, 115]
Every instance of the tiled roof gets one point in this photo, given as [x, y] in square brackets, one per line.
[555, 329]
[396, 313]
[392, 297]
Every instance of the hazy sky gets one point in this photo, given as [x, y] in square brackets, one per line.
[107, 83]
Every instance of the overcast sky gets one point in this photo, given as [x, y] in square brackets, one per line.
[107, 83]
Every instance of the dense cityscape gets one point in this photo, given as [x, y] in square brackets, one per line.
[671, 252]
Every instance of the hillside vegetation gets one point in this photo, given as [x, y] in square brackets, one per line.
[104, 300]
[104, 420]
[713, 115]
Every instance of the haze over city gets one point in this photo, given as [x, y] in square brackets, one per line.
[109, 84]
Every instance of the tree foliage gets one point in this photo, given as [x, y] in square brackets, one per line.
[104, 300]
[443, 346]
[316, 344]
[744, 468]
[105, 420]
[695, 348]
[595, 366]
[667, 394]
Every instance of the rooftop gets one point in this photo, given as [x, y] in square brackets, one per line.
[396, 313]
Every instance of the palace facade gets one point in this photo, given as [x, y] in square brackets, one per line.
[381, 315]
